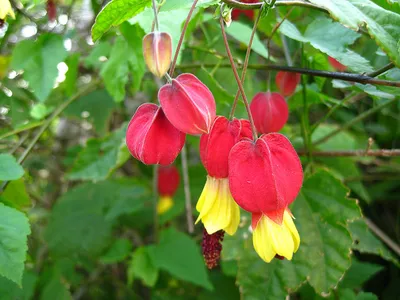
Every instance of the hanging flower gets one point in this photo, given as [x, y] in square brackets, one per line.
[157, 51]
[270, 112]
[218, 210]
[265, 176]
[188, 104]
[151, 138]
[249, 13]
[6, 10]
[336, 65]
[168, 183]
[51, 10]
[287, 82]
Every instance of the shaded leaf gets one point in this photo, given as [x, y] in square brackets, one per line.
[15, 195]
[14, 230]
[142, 267]
[9, 168]
[119, 250]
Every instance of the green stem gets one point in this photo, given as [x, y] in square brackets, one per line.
[155, 202]
[355, 120]
[186, 187]
[22, 129]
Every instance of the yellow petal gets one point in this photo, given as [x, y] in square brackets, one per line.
[218, 210]
[164, 204]
[270, 238]
[6, 9]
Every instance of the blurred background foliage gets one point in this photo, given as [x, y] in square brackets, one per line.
[76, 215]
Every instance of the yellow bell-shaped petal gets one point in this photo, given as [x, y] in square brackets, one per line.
[6, 9]
[218, 210]
[271, 239]
[164, 204]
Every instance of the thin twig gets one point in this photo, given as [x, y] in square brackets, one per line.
[285, 46]
[155, 201]
[186, 188]
[355, 120]
[363, 79]
[178, 48]
[246, 62]
[19, 130]
[242, 5]
[350, 153]
[48, 121]
[381, 70]
[383, 236]
[235, 73]
[155, 11]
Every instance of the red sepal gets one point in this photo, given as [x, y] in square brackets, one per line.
[168, 180]
[215, 146]
[287, 82]
[266, 175]
[151, 138]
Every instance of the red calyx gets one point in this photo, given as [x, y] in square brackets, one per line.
[287, 82]
[265, 176]
[270, 112]
[188, 104]
[215, 146]
[51, 10]
[151, 138]
[336, 65]
[249, 13]
[168, 180]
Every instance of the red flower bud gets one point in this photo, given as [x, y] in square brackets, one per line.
[265, 175]
[249, 13]
[157, 50]
[270, 112]
[287, 82]
[188, 104]
[336, 65]
[151, 138]
[215, 146]
[168, 180]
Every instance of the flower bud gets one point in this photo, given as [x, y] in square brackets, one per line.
[188, 104]
[266, 175]
[151, 138]
[270, 112]
[287, 82]
[215, 146]
[336, 65]
[157, 50]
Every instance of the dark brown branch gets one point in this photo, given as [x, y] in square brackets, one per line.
[363, 79]
[358, 153]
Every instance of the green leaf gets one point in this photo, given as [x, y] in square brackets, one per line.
[15, 195]
[9, 168]
[115, 13]
[179, 255]
[115, 71]
[10, 290]
[14, 230]
[55, 289]
[382, 25]
[359, 273]
[325, 249]
[366, 242]
[142, 267]
[18, 108]
[334, 44]
[242, 32]
[100, 157]
[72, 74]
[341, 141]
[39, 60]
[99, 107]
[118, 252]
[81, 219]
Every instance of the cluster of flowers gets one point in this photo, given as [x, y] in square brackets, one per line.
[262, 176]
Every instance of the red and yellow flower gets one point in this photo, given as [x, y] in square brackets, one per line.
[168, 183]
[218, 210]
